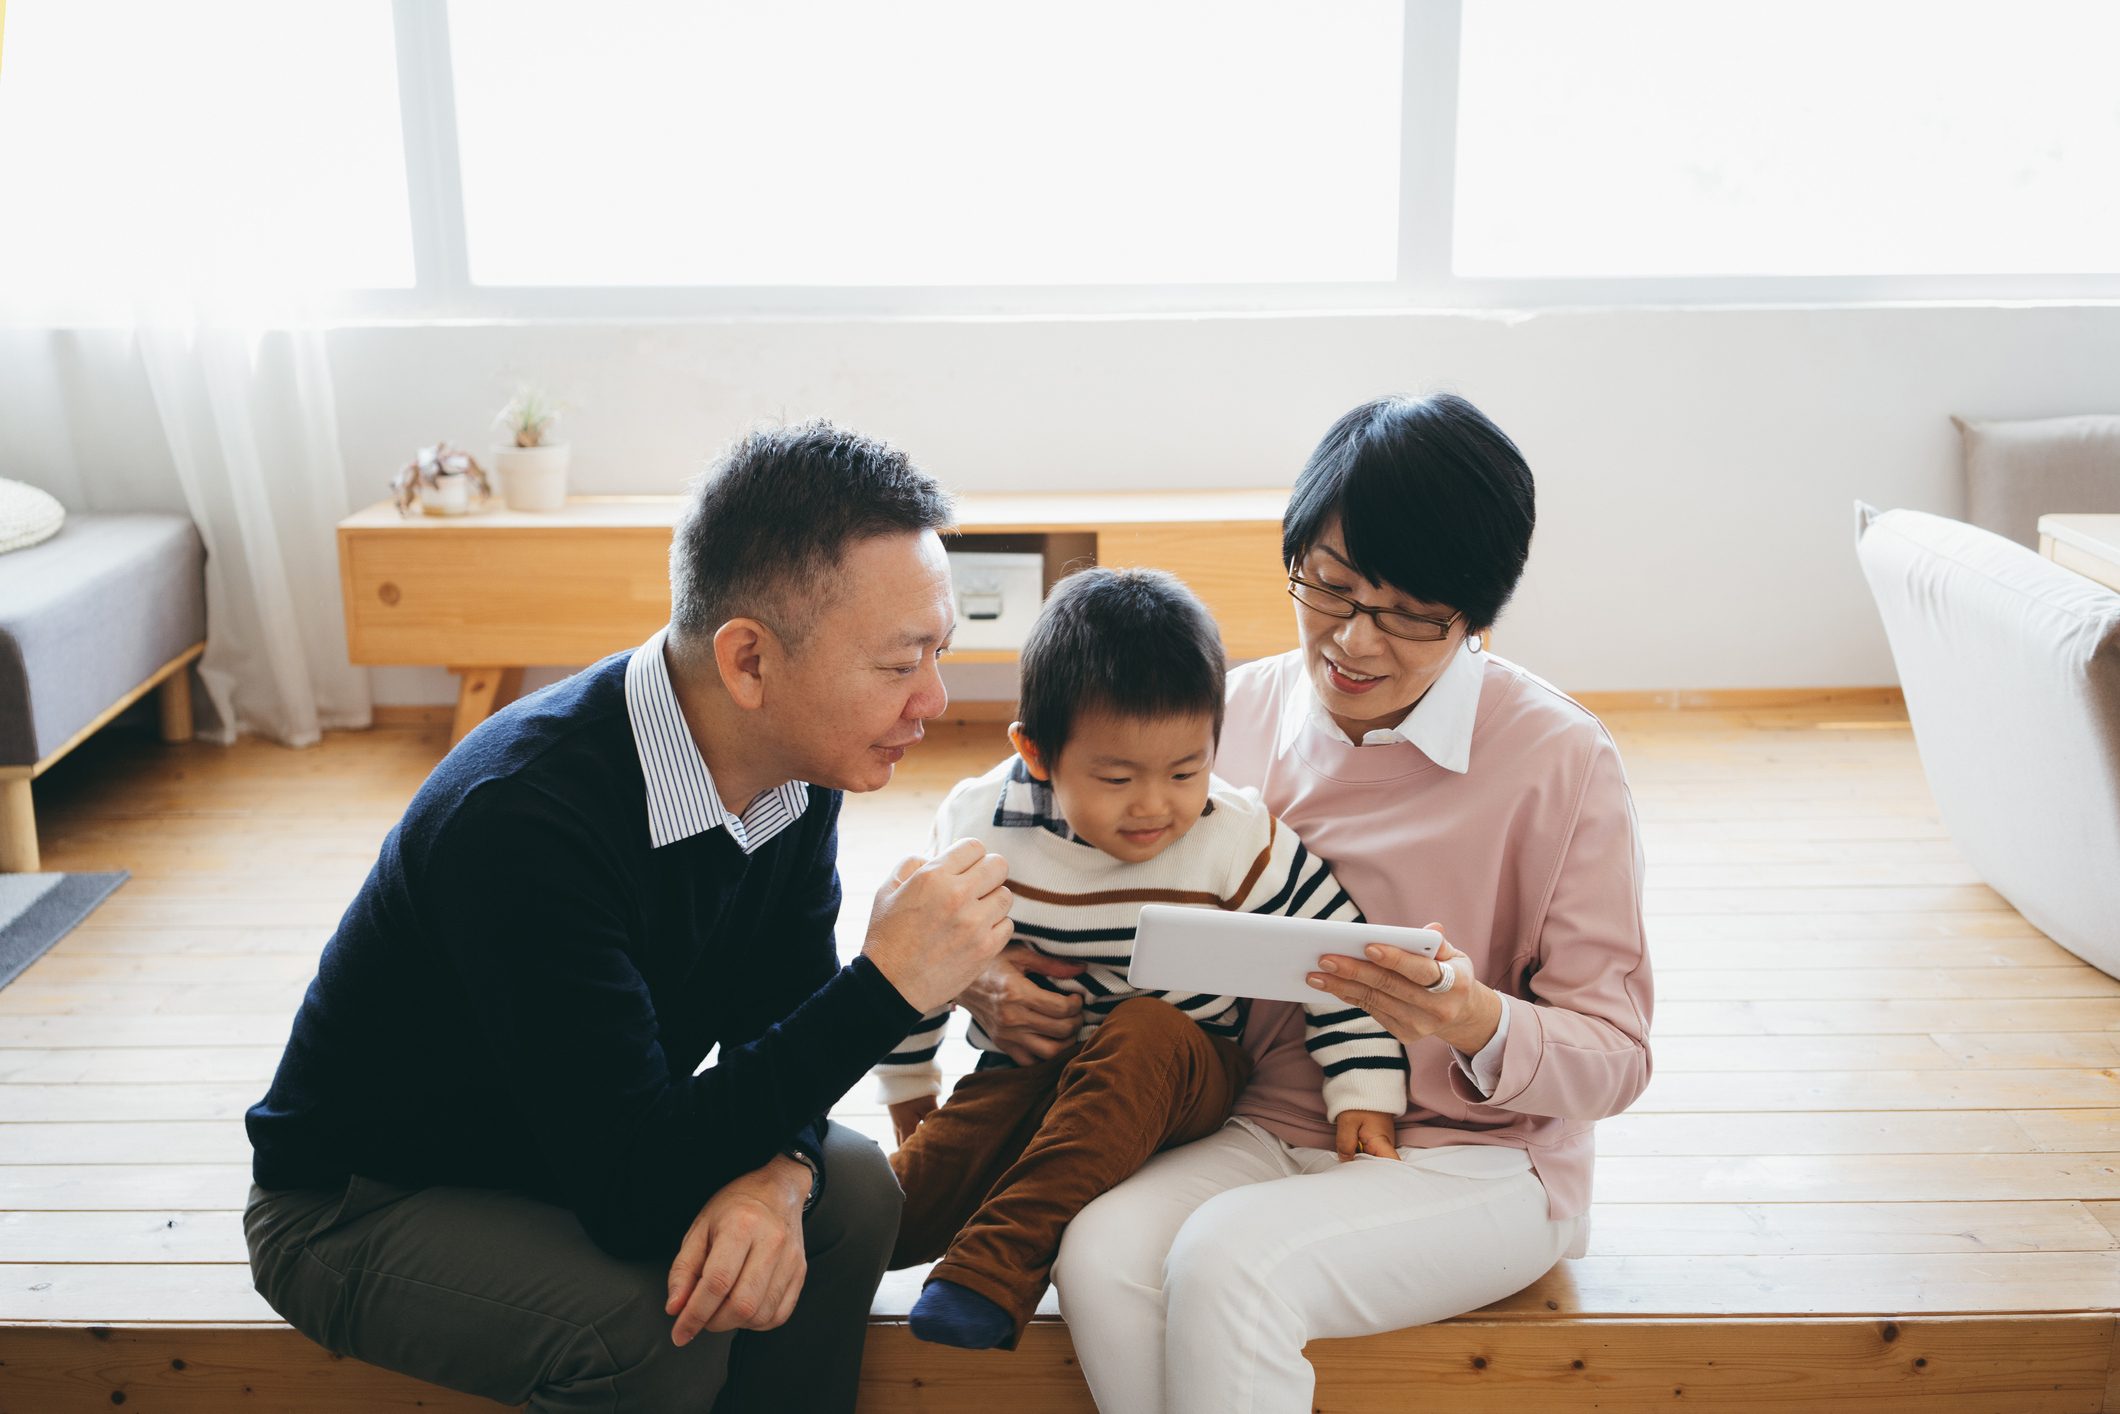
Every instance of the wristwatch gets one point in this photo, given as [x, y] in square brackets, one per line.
[816, 1177]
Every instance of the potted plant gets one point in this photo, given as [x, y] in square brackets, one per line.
[532, 467]
[439, 479]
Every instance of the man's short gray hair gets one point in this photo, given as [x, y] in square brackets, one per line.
[770, 521]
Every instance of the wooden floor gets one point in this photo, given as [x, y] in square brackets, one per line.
[1878, 1166]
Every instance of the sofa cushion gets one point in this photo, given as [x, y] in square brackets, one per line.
[2016, 472]
[28, 516]
[2011, 668]
[86, 616]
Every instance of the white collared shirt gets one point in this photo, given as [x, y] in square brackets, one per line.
[1440, 724]
[682, 799]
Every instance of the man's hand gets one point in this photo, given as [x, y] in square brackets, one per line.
[907, 1114]
[1366, 1132]
[1026, 1021]
[939, 921]
[741, 1266]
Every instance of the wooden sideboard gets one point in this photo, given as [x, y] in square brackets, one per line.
[2087, 544]
[489, 594]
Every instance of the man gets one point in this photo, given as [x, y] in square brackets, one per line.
[493, 1157]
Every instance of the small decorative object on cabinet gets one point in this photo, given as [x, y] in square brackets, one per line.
[532, 467]
[440, 480]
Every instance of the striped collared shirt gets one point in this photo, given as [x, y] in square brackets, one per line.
[682, 800]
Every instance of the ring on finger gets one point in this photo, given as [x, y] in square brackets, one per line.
[1445, 982]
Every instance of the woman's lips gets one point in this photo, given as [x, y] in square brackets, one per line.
[1353, 687]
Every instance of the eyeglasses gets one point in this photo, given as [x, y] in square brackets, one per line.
[1416, 628]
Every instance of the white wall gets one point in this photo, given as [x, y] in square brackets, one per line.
[1695, 466]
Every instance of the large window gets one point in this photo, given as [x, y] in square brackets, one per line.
[222, 143]
[1810, 137]
[527, 158]
[948, 142]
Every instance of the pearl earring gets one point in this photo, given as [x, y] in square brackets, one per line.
[1476, 642]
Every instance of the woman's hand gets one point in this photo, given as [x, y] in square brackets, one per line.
[1366, 1132]
[1026, 1021]
[1392, 987]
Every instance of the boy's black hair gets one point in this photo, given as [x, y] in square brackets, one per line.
[768, 524]
[1135, 643]
[1431, 499]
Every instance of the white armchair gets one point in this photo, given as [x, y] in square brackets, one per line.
[2011, 668]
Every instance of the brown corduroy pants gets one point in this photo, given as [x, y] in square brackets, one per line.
[993, 1177]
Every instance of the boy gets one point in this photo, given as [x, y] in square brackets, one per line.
[1108, 804]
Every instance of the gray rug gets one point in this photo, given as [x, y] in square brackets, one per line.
[37, 910]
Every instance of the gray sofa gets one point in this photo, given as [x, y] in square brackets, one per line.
[111, 607]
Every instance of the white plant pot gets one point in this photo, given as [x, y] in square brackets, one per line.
[532, 478]
[451, 496]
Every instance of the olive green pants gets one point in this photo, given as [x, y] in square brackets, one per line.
[498, 1294]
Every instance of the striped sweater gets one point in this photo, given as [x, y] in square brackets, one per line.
[1074, 901]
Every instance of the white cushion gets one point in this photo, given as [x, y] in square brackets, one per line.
[27, 515]
[2011, 667]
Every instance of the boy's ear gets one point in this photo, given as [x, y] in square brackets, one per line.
[1028, 750]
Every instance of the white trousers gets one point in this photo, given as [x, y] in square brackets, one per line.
[1192, 1287]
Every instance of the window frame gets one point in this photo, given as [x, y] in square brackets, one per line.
[443, 288]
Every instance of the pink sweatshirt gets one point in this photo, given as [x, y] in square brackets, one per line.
[1530, 862]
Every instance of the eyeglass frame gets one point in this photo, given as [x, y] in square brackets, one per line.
[1376, 616]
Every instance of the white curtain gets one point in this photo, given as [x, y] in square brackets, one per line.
[233, 423]
[183, 183]
[253, 436]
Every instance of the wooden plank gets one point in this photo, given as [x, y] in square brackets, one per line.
[24, 1103]
[1880, 984]
[213, 1235]
[1674, 954]
[1806, 1285]
[1906, 1366]
[213, 1141]
[81, 1187]
[1824, 926]
[1820, 1229]
[1658, 901]
[181, 1066]
[1898, 1366]
[2032, 1050]
[1803, 1019]
[1862, 1178]
[204, 1370]
[1753, 1092]
[1641, 1134]
[55, 1032]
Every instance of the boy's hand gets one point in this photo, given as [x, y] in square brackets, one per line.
[1367, 1132]
[907, 1114]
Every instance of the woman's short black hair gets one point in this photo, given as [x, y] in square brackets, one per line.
[1134, 643]
[1431, 499]
[770, 521]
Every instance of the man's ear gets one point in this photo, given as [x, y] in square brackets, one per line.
[744, 649]
[1028, 750]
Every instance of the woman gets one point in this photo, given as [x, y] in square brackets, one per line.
[1445, 784]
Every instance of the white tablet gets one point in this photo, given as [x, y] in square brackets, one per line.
[1250, 954]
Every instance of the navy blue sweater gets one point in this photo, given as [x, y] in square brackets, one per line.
[520, 993]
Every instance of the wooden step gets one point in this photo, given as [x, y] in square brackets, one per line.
[1881, 1365]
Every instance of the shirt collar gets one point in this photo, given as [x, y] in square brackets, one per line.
[682, 799]
[1440, 724]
